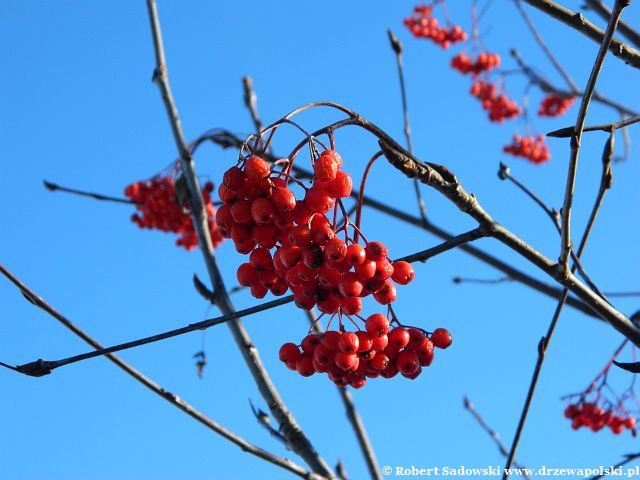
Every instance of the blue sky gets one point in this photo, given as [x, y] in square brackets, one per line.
[79, 109]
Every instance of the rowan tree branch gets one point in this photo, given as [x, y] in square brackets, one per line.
[578, 22]
[543, 345]
[170, 397]
[618, 7]
[607, 127]
[605, 13]
[42, 367]
[288, 424]
[52, 187]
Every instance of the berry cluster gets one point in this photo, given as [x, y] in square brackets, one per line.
[158, 208]
[555, 105]
[423, 24]
[261, 212]
[590, 415]
[349, 358]
[483, 63]
[499, 106]
[529, 147]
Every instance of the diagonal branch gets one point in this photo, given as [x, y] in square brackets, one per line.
[607, 127]
[618, 7]
[289, 426]
[578, 22]
[625, 30]
[173, 399]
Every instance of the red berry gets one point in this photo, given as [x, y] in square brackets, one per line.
[349, 285]
[289, 352]
[256, 169]
[441, 338]
[402, 272]
[399, 337]
[341, 186]
[376, 251]
[377, 325]
[310, 342]
[283, 200]
[246, 275]
[318, 200]
[348, 342]
[325, 168]
[345, 360]
[304, 365]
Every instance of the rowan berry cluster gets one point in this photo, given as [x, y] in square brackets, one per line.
[260, 212]
[158, 208]
[590, 415]
[483, 63]
[349, 358]
[498, 105]
[555, 105]
[423, 24]
[534, 149]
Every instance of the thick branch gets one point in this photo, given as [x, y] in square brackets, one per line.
[578, 22]
[289, 426]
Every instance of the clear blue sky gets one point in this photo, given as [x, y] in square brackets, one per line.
[79, 109]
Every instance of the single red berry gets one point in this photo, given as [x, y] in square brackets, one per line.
[247, 275]
[261, 259]
[321, 234]
[380, 343]
[258, 291]
[310, 342]
[256, 169]
[318, 200]
[348, 342]
[325, 168]
[376, 251]
[387, 294]
[407, 362]
[399, 337]
[304, 365]
[335, 249]
[416, 338]
[402, 272]
[441, 338]
[355, 254]
[262, 211]
[289, 352]
[234, 179]
[384, 269]
[241, 212]
[377, 325]
[283, 200]
[341, 186]
[379, 362]
[301, 213]
[330, 339]
[366, 270]
[323, 355]
[312, 255]
[349, 285]
[364, 341]
[351, 306]
[345, 360]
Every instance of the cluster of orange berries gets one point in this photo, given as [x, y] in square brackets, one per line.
[590, 415]
[423, 24]
[158, 208]
[349, 358]
[483, 63]
[499, 106]
[532, 148]
[555, 105]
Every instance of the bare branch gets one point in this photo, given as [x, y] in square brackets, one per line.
[578, 22]
[619, 6]
[157, 389]
[605, 184]
[625, 30]
[52, 187]
[607, 127]
[396, 46]
[289, 426]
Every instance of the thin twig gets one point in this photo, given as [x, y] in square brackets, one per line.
[251, 102]
[492, 433]
[98, 196]
[558, 66]
[605, 185]
[563, 260]
[482, 281]
[173, 399]
[396, 46]
[505, 174]
[288, 424]
[623, 28]
[607, 127]
[578, 22]
[42, 367]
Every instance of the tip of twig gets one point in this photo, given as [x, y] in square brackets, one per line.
[456, 280]
[467, 402]
[396, 44]
[561, 133]
[503, 172]
[49, 186]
